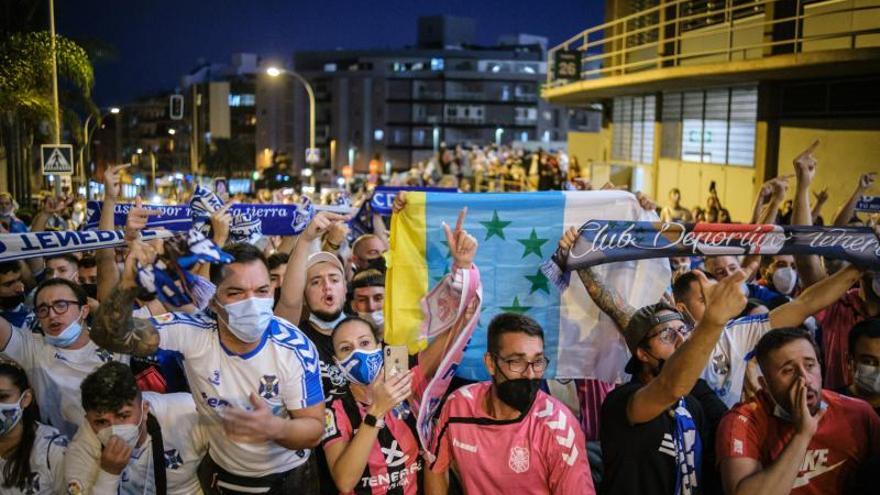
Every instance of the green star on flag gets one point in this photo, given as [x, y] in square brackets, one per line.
[539, 282]
[533, 244]
[516, 307]
[495, 226]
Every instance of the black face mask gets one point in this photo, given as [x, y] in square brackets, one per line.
[91, 290]
[11, 302]
[519, 393]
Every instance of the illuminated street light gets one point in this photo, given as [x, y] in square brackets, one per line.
[172, 132]
[273, 71]
[140, 151]
[114, 110]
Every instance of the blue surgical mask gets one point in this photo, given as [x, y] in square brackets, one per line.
[10, 415]
[67, 336]
[362, 366]
[249, 319]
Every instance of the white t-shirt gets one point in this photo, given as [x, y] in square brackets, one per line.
[726, 370]
[283, 370]
[47, 464]
[183, 440]
[56, 374]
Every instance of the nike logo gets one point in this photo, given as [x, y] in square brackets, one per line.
[803, 479]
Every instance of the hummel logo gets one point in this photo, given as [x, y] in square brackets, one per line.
[463, 446]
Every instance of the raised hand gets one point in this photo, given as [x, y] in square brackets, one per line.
[320, 223]
[220, 222]
[399, 202]
[566, 242]
[805, 164]
[779, 186]
[725, 300]
[867, 180]
[137, 218]
[462, 245]
[115, 456]
[821, 196]
[387, 394]
[113, 180]
[804, 422]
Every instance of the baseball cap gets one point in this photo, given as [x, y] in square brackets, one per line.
[324, 257]
[640, 325]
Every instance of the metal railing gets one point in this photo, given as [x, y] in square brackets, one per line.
[616, 47]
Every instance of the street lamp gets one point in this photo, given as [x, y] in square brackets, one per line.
[87, 138]
[498, 132]
[172, 132]
[275, 72]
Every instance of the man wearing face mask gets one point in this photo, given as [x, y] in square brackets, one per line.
[795, 437]
[779, 273]
[254, 377]
[88, 276]
[366, 250]
[506, 435]
[60, 355]
[12, 296]
[135, 442]
[864, 363]
[368, 297]
[9, 221]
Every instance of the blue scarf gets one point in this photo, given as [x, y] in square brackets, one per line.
[688, 451]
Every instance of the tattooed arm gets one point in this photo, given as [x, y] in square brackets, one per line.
[114, 328]
[607, 298]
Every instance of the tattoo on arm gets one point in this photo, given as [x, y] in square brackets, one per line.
[114, 328]
[607, 298]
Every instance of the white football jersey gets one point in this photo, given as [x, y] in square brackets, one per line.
[282, 371]
[183, 440]
[47, 464]
[56, 374]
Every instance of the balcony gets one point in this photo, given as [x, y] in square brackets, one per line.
[694, 43]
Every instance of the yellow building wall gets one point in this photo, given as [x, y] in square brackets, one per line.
[735, 185]
[846, 152]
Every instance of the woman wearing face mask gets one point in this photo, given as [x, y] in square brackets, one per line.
[60, 355]
[359, 462]
[31, 454]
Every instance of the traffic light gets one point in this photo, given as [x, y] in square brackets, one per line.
[176, 107]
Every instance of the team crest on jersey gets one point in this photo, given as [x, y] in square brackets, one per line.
[519, 459]
[269, 386]
[173, 460]
[104, 355]
[74, 488]
[329, 423]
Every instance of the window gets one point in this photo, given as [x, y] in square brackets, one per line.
[711, 126]
[243, 100]
[632, 138]
[436, 64]
[330, 67]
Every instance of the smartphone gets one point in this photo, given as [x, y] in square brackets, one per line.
[396, 360]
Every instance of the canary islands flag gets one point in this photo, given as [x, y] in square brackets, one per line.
[517, 232]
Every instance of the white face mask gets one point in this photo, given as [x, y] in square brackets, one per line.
[376, 317]
[249, 319]
[130, 434]
[326, 326]
[867, 378]
[784, 280]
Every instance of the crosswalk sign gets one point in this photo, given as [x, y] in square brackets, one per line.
[57, 159]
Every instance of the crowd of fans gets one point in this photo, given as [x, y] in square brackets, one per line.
[757, 375]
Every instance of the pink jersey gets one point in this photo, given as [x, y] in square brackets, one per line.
[540, 454]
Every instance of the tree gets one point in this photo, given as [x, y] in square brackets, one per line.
[26, 98]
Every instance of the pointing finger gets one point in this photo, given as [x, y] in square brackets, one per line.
[460, 222]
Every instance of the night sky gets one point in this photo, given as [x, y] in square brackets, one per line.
[157, 41]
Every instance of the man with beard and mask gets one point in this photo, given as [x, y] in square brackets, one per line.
[366, 252]
[864, 363]
[368, 297]
[61, 355]
[88, 275]
[135, 442]
[653, 432]
[506, 435]
[12, 296]
[254, 376]
[795, 437]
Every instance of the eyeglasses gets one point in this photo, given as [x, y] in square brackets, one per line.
[668, 334]
[520, 365]
[60, 307]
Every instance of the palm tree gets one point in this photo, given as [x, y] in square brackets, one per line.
[26, 101]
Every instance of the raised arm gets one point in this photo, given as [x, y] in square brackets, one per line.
[817, 297]
[848, 210]
[290, 302]
[606, 297]
[809, 267]
[105, 259]
[778, 187]
[463, 247]
[821, 199]
[724, 300]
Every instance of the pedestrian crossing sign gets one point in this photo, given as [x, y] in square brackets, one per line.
[57, 159]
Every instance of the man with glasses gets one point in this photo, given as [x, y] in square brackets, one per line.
[507, 435]
[58, 358]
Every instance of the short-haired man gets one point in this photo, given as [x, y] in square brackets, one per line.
[368, 297]
[277, 263]
[134, 441]
[864, 363]
[64, 266]
[794, 437]
[506, 435]
[60, 355]
[13, 294]
[88, 275]
[367, 249]
[254, 376]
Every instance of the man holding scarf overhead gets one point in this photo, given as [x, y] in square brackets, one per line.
[254, 376]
